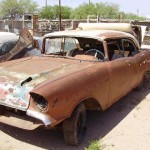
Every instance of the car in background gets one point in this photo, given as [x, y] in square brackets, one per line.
[79, 70]
[38, 41]
[136, 30]
[8, 41]
[13, 46]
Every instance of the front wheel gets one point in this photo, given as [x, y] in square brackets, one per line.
[74, 128]
[2, 111]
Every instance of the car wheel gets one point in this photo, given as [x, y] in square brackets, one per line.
[2, 110]
[74, 128]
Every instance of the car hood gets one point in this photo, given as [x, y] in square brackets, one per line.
[19, 77]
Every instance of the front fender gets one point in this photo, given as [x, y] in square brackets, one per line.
[65, 93]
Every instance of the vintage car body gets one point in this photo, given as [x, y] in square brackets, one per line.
[78, 70]
[14, 46]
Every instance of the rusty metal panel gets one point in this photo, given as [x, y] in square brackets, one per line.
[35, 24]
[25, 40]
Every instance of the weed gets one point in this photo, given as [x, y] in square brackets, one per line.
[94, 145]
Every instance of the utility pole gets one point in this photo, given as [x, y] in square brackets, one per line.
[59, 15]
[89, 2]
[46, 3]
[137, 12]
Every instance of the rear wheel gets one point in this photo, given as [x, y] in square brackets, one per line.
[74, 128]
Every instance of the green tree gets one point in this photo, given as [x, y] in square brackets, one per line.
[83, 11]
[131, 16]
[13, 8]
[10, 8]
[28, 6]
[52, 12]
[105, 10]
[66, 11]
[46, 12]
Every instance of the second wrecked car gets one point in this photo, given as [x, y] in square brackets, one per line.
[13, 46]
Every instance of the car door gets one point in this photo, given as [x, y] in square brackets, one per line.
[130, 51]
[137, 60]
[119, 71]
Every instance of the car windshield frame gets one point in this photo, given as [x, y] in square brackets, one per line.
[63, 50]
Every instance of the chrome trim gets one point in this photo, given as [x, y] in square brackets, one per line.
[39, 116]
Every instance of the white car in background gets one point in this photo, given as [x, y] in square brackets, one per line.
[13, 46]
[7, 41]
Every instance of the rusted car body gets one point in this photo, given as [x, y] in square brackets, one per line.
[79, 70]
[14, 46]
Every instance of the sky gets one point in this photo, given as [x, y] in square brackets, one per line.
[141, 7]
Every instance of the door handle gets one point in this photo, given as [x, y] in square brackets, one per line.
[128, 62]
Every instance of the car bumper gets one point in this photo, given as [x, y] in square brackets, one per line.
[42, 117]
[28, 120]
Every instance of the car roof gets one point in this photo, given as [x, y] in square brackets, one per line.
[8, 36]
[97, 34]
[100, 34]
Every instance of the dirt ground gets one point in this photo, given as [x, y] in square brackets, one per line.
[124, 126]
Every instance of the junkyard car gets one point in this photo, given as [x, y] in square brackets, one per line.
[14, 46]
[78, 71]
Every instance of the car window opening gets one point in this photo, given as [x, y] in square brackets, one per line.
[7, 46]
[76, 48]
[119, 48]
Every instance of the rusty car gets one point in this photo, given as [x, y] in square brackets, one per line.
[79, 70]
[13, 46]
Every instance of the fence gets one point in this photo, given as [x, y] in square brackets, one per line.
[47, 26]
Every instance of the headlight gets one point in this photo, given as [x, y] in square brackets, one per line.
[40, 102]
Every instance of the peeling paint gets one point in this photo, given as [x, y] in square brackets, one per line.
[15, 96]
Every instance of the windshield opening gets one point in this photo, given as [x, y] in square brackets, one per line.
[75, 47]
[59, 45]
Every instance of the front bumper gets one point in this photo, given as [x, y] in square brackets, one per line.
[42, 117]
[28, 120]
[23, 122]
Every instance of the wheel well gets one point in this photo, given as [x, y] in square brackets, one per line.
[91, 104]
[147, 74]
